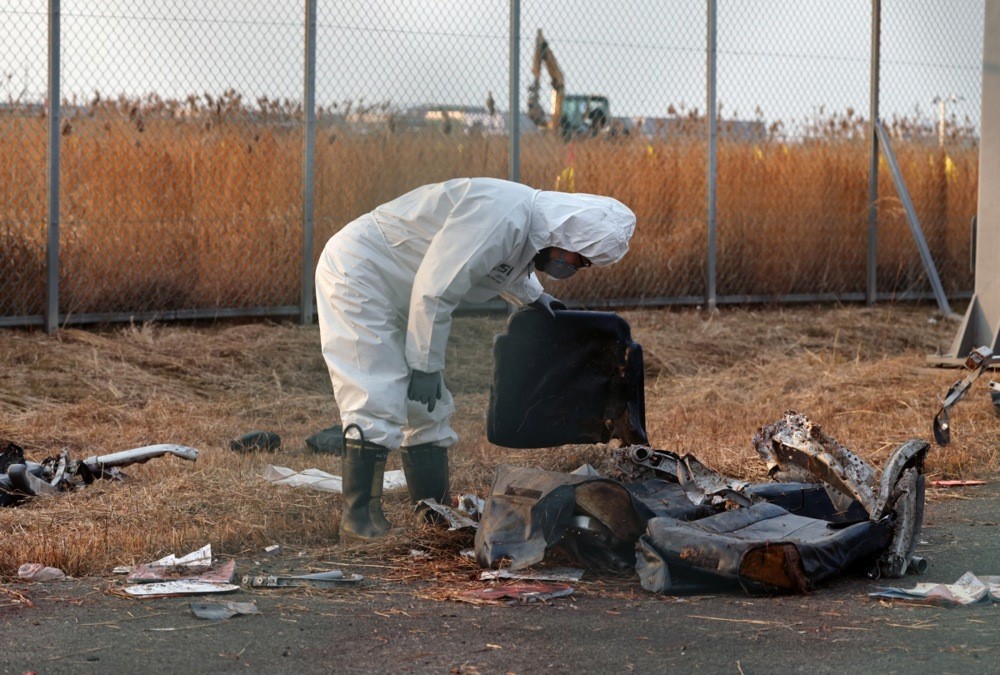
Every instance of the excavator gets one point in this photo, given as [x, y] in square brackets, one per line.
[571, 115]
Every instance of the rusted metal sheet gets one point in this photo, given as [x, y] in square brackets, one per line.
[794, 448]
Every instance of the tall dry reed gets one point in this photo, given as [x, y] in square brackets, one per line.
[170, 207]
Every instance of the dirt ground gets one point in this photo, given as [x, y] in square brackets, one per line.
[711, 380]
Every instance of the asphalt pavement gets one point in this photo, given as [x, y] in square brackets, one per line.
[605, 626]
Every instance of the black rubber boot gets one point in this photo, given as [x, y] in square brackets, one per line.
[363, 464]
[426, 469]
[379, 520]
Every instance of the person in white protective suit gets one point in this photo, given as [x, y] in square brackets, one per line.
[386, 287]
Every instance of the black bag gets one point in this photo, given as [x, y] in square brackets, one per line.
[576, 378]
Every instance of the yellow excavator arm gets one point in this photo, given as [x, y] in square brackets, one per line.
[544, 55]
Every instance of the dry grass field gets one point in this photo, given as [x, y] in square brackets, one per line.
[711, 381]
[168, 206]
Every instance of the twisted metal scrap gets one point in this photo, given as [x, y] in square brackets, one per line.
[978, 361]
[701, 484]
[794, 448]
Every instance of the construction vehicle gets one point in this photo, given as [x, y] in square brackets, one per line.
[570, 114]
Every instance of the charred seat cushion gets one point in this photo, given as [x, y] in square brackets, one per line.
[763, 548]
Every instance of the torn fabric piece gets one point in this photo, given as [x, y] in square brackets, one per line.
[219, 611]
[316, 479]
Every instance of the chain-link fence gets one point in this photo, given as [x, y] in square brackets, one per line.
[23, 141]
[934, 128]
[189, 174]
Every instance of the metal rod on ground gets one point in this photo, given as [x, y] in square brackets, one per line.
[308, 164]
[710, 299]
[872, 287]
[514, 104]
[911, 218]
[52, 245]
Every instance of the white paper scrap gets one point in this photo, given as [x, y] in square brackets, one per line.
[968, 590]
[200, 558]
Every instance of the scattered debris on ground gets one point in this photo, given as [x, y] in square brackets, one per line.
[686, 528]
[220, 611]
[21, 479]
[516, 594]
[331, 579]
[329, 441]
[968, 590]
[190, 574]
[40, 572]
[172, 589]
[456, 517]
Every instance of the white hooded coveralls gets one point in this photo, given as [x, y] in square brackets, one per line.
[388, 282]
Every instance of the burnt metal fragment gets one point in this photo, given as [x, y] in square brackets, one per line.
[978, 361]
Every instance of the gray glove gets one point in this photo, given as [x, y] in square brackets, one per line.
[425, 387]
[549, 304]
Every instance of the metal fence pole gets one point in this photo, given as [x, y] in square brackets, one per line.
[911, 217]
[52, 246]
[308, 164]
[710, 298]
[872, 288]
[514, 105]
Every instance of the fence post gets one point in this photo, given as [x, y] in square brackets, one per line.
[514, 105]
[872, 287]
[710, 295]
[911, 217]
[52, 245]
[308, 164]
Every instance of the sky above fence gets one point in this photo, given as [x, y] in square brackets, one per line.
[777, 59]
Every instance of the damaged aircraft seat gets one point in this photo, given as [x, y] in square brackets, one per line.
[531, 510]
[576, 378]
[762, 548]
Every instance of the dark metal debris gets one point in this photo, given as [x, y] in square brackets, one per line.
[978, 361]
[256, 441]
[329, 441]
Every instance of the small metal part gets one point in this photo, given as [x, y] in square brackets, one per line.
[330, 579]
[978, 361]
